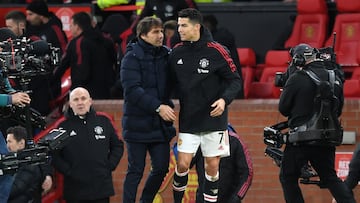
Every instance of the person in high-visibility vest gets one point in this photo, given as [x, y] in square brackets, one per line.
[212, 1]
[108, 3]
[139, 3]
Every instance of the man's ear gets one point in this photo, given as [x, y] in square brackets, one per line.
[22, 142]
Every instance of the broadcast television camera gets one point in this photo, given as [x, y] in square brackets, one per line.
[275, 137]
[21, 60]
[326, 54]
[34, 154]
[20, 57]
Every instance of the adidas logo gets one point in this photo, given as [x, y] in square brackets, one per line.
[180, 62]
[72, 133]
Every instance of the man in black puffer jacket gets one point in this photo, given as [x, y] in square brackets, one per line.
[27, 185]
[148, 111]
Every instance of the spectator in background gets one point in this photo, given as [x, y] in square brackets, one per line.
[108, 3]
[165, 9]
[44, 24]
[39, 85]
[227, 39]
[30, 180]
[91, 154]
[169, 32]
[113, 27]
[148, 111]
[16, 21]
[91, 57]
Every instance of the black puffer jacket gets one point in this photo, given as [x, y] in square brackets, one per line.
[145, 79]
[27, 185]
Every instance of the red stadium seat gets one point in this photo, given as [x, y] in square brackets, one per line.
[310, 25]
[248, 62]
[355, 74]
[273, 58]
[352, 88]
[65, 89]
[261, 90]
[275, 61]
[347, 29]
[268, 75]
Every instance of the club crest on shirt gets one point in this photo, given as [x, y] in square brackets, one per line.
[98, 132]
[204, 64]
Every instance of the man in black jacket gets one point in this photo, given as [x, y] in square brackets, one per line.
[297, 102]
[45, 25]
[29, 180]
[207, 81]
[91, 154]
[91, 58]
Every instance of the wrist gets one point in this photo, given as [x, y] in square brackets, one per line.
[158, 109]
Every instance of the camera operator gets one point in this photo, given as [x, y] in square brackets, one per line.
[297, 103]
[30, 180]
[8, 95]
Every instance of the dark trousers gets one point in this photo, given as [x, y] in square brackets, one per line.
[160, 155]
[105, 200]
[322, 159]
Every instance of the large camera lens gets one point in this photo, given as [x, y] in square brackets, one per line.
[279, 79]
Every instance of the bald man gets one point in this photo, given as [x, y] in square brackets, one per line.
[92, 153]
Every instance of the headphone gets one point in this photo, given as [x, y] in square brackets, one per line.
[298, 59]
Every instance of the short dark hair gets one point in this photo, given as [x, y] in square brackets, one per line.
[146, 24]
[16, 16]
[19, 133]
[170, 24]
[83, 20]
[211, 20]
[193, 14]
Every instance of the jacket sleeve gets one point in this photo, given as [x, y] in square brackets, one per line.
[244, 167]
[116, 148]
[354, 169]
[4, 99]
[287, 96]
[229, 73]
[26, 182]
[131, 81]
[83, 62]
